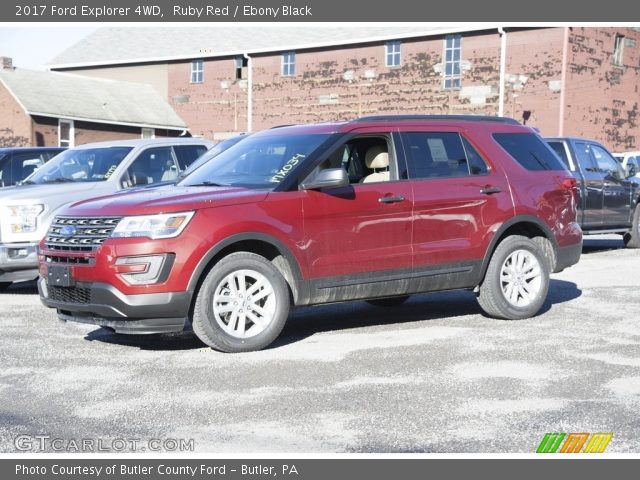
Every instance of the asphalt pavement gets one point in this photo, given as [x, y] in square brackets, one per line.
[433, 375]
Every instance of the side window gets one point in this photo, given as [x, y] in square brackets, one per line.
[365, 159]
[438, 154]
[558, 148]
[153, 165]
[477, 165]
[632, 166]
[24, 164]
[529, 150]
[584, 158]
[186, 154]
[606, 163]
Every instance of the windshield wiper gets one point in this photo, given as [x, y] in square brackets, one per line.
[27, 182]
[206, 183]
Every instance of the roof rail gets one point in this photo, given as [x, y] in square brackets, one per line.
[469, 118]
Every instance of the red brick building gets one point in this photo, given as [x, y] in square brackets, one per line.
[59, 109]
[580, 81]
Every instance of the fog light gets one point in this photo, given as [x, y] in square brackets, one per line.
[141, 270]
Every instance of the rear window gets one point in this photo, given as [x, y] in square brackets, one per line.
[187, 154]
[529, 150]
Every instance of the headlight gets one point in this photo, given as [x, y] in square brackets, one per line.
[166, 225]
[24, 218]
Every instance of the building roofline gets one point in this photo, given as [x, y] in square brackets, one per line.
[109, 122]
[283, 48]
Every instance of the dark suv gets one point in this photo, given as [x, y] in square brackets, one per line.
[376, 209]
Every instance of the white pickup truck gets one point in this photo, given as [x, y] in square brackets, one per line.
[84, 172]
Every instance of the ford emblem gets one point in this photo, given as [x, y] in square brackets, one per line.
[68, 231]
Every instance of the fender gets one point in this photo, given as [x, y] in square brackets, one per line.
[301, 285]
[510, 223]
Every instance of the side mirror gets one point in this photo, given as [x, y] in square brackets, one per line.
[327, 178]
[631, 170]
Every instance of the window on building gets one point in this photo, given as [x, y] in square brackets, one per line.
[65, 133]
[148, 133]
[452, 62]
[241, 63]
[289, 64]
[197, 71]
[618, 50]
[392, 54]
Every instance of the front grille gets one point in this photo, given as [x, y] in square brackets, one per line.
[88, 235]
[70, 260]
[69, 294]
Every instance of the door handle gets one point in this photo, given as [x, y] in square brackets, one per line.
[391, 199]
[488, 190]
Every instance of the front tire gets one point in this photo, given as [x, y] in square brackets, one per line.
[517, 280]
[242, 304]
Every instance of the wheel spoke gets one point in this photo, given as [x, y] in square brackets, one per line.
[256, 286]
[244, 303]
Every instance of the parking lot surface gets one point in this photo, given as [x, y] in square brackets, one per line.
[433, 375]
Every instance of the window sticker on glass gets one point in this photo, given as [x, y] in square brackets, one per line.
[287, 167]
[438, 151]
[112, 169]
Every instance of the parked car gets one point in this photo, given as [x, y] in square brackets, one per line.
[608, 197]
[630, 161]
[17, 163]
[374, 209]
[79, 173]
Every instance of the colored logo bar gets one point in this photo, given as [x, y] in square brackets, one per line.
[574, 442]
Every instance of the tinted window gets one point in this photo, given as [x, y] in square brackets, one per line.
[439, 154]
[186, 154]
[260, 161]
[606, 163]
[476, 163]
[18, 166]
[558, 148]
[81, 165]
[529, 151]
[584, 158]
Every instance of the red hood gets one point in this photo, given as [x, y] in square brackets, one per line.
[166, 199]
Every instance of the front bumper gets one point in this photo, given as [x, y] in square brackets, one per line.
[18, 262]
[104, 305]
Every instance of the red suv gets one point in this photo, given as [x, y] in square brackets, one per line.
[375, 209]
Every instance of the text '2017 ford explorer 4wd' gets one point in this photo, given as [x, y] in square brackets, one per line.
[375, 209]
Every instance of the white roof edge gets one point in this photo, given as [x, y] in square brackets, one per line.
[309, 46]
[109, 122]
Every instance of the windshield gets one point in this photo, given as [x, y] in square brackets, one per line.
[215, 151]
[81, 165]
[261, 161]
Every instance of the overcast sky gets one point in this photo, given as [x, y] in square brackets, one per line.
[33, 47]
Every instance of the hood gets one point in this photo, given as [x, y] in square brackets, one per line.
[166, 199]
[52, 195]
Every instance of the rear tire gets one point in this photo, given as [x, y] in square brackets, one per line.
[242, 304]
[632, 237]
[388, 302]
[4, 286]
[517, 280]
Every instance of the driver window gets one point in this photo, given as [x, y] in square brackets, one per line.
[154, 165]
[365, 159]
[606, 163]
